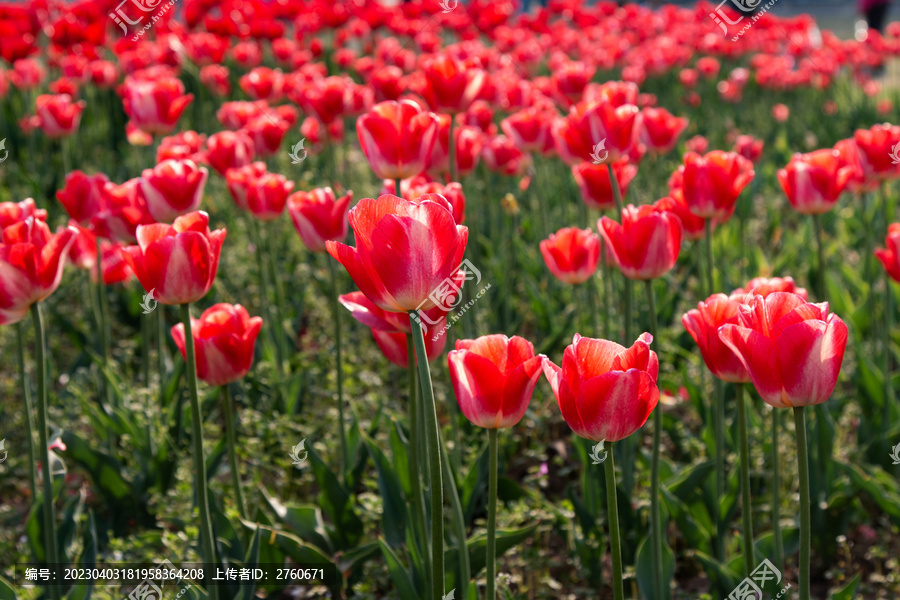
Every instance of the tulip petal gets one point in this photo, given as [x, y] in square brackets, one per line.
[811, 353]
[760, 357]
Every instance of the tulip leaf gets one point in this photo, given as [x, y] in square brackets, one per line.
[722, 576]
[644, 568]
[400, 456]
[7, 592]
[403, 584]
[687, 479]
[393, 515]
[848, 591]
[336, 503]
[303, 520]
[88, 557]
[477, 545]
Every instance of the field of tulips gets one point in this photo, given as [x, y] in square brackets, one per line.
[587, 301]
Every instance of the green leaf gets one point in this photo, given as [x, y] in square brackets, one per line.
[402, 582]
[335, 502]
[400, 455]
[644, 568]
[688, 478]
[393, 507]
[7, 592]
[848, 591]
[105, 472]
[251, 559]
[88, 557]
[506, 539]
[722, 576]
[303, 520]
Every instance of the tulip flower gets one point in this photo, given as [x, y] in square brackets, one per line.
[393, 264]
[58, 115]
[173, 188]
[890, 254]
[397, 138]
[703, 324]
[180, 146]
[451, 85]
[259, 192]
[501, 155]
[16, 212]
[267, 133]
[224, 338]
[877, 147]
[177, 262]
[122, 211]
[493, 378]
[154, 105]
[319, 216]
[763, 286]
[693, 227]
[83, 255]
[661, 129]
[82, 195]
[646, 245]
[605, 393]
[595, 185]
[712, 183]
[749, 147]
[467, 145]
[420, 186]
[813, 182]
[530, 129]
[229, 149]
[31, 265]
[572, 254]
[597, 131]
[793, 350]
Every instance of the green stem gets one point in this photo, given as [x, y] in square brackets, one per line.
[820, 256]
[231, 439]
[803, 460]
[201, 492]
[655, 516]
[888, 327]
[397, 191]
[459, 525]
[719, 410]
[29, 409]
[339, 367]
[145, 348]
[710, 285]
[279, 304]
[101, 326]
[434, 459]
[492, 515]
[776, 489]
[161, 354]
[629, 285]
[414, 455]
[452, 151]
[40, 346]
[614, 540]
[272, 319]
[746, 506]
[591, 290]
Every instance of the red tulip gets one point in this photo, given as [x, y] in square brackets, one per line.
[328, 98]
[597, 130]
[122, 211]
[319, 216]
[224, 337]
[793, 349]
[890, 254]
[259, 192]
[406, 250]
[703, 324]
[181, 146]
[82, 195]
[781, 113]
[661, 129]
[493, 377]
[572, 254]
[501, 155]
[215, 79]
[267, 133]
[646, 245]
[389, 329]
[31, 265]
[749, 147]
[58, 115]
[605, 392]
[263, 83]
[83, 255]
[530, 129]
[177, 262]
[712, 183]
[154, 105]
[451, 85]
[229, 149]
[173, 188]
[16, 212]
[420, 186]
[878, 146]
[763, 286]
[813, 182]
[468, 142]
[693, 227]
[397, 138]
[596, 188]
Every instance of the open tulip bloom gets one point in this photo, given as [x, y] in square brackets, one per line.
[605, 393]
[793, 350]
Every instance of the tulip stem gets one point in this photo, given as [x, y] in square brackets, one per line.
[451, 151]
[629, 286]
[145, 348]
[339, 367]
[746, 506]
[202, 494]
[776, 489]
[491, 568]
[29, 409]
[655, 517]
[102, 305]
[613, 511]
[888, 327]
[231, 438]
[803, 460]
[51, 555]
[718, 409]
[434, 459]
[820, 256]
[161, 354]
[414, 455]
